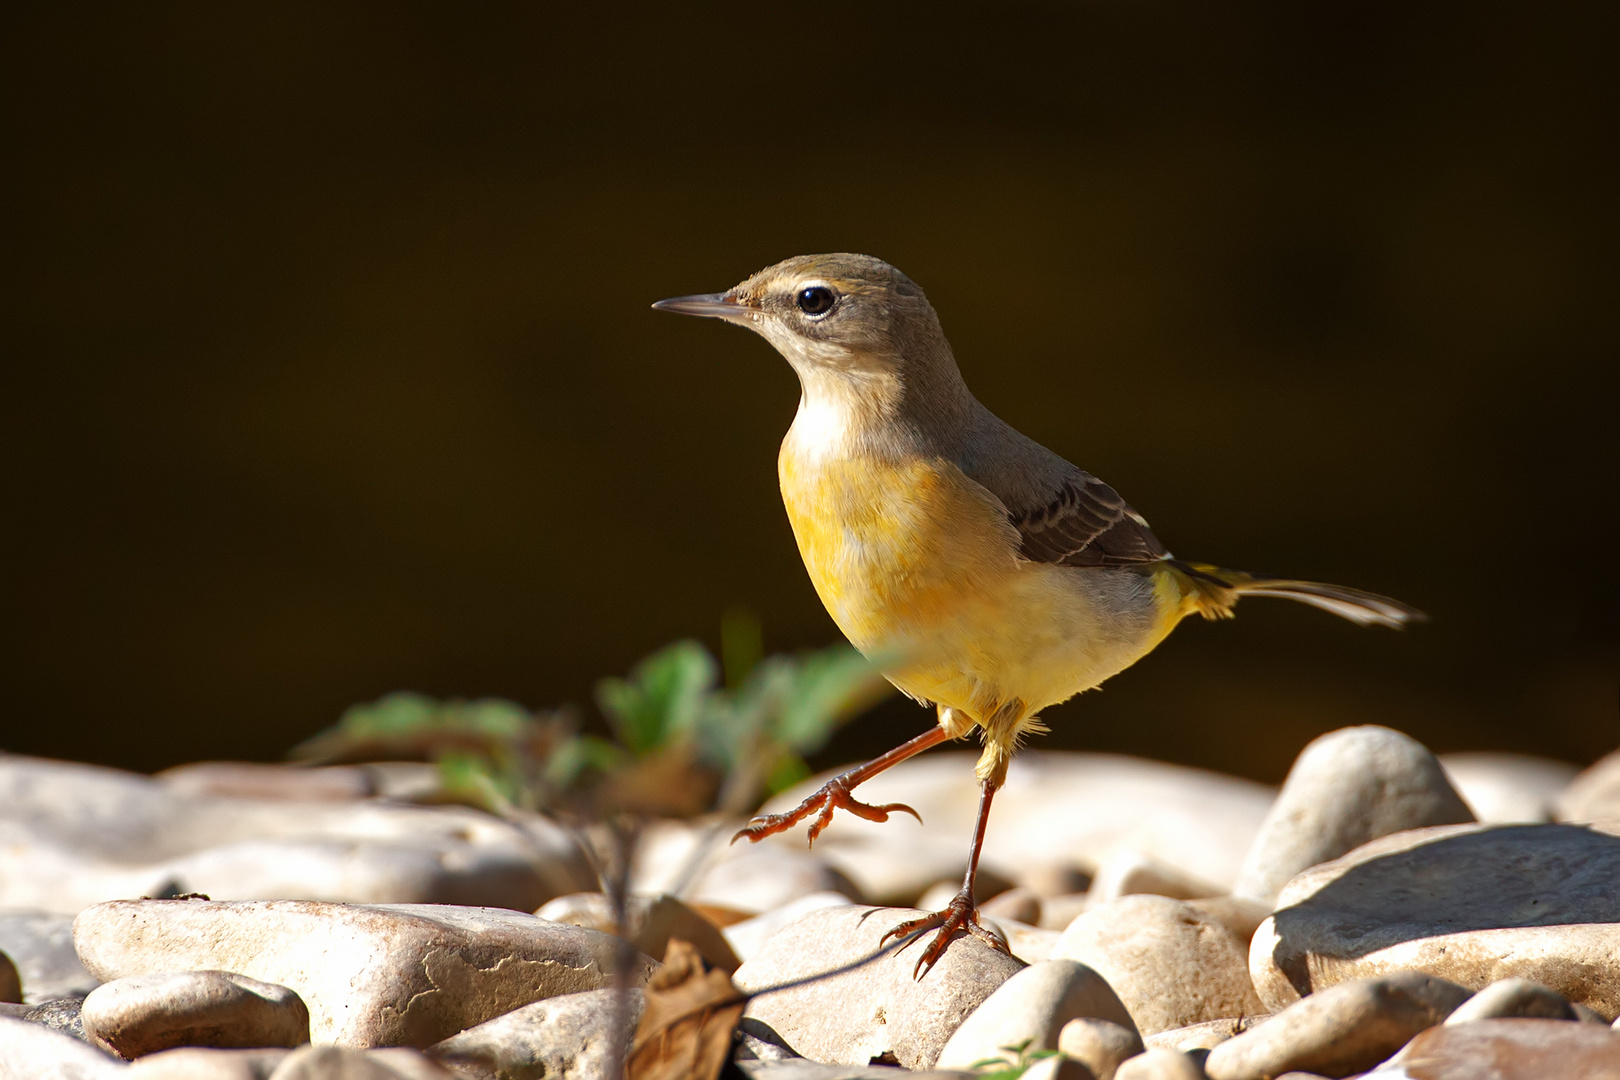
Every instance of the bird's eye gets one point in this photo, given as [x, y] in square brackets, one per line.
[816, 300]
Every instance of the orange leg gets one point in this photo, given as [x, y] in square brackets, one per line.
[961, 915]
[836, 793]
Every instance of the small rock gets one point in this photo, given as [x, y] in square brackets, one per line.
[835, 995]
[1057, 912]
[31, 1051]
[1338, 1031]
[1207, 1035]
[746, 938]
[1514, 997]
[1346, 788]
[257, 780]
[1046, 879]
[1509, 788]
[1058, 1067]
[1030, 944]
[1099, 1045]
[800, 1069]
[41, 944]
[60, 1014]
[1129, 872]
[1017, 904]
[1029, 1010]
[1160, 1065]
[761, 877]
[371, 976]
[199, 1063]
[143, 1014]
[1594, 795]
[1472, 904]
[1170, 964]
[1240, 917]
[568, 1035]
[341, 1063]
[1510, 1049]
[653, 921]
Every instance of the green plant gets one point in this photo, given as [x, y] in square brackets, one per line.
[1003, 1068]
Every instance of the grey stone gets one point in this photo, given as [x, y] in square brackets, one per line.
[371, 976]
[258, 780]
[1029, 1010]
[1472, 904]
[1509, 788]
[60, 1014]
[1346, 788]
[41, 944]
[1158, 1064]
[835, 995]
[746, 938]
[342, 1063]
[1514, 997]
[35, 1052]
[1342, 1030]
[201, 1063]
[1169, 963]
[143, 1014]
[1206, 1035]
[570, 1035]
[1100, 1045]
[1508, 1049]
[653, 921]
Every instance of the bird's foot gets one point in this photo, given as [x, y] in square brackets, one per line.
[959, 916]
[833, 795]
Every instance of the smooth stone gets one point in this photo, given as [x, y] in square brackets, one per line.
[143, 1014]
[342, 1063]
[1057, 912]
[1169, 963]
[653, 921]
[1509, 788]
[1507, 1049]
[1346, 788]
[1514, 997]
[746, 938]
[41, 945]
[31, 1051]
[1100, 1045]
[1030, 944]
[1594, 794]
[1472, 904]
[1129, 872]
[1017, 904]
[835, 995]
[1056, 878]
[202, 1063]
[393, 975]
[60, 1014]
[1240, 917]
[561, 1036]
[1158, 1064]
[1029, 1010]
[1056, 808]
[1338, 1031]
[1058, 1067]
[258, 780]
[1207, 1035]
[800, 1069]
[698, 863]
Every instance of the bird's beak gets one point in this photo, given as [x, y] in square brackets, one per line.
[713, 305]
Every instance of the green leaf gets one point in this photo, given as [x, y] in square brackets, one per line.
[660, 704]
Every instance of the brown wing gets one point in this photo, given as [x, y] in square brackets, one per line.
[1085, 523]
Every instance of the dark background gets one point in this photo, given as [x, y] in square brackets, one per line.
[329, 367]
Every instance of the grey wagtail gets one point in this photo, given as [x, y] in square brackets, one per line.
[984, 575]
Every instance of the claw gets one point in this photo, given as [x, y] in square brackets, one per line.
[961, 915]
[833, 795]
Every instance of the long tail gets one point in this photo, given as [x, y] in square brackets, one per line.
[1212, 591]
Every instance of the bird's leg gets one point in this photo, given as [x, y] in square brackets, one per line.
[961, 914]
[835, 793]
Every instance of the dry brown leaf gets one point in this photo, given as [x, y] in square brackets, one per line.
[687, 1022]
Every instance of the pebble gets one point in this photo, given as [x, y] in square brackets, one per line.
[31, 1051]
[1169, 963]
[560, 1036]
[832, 994]
[746, 938]
[1058, 1067]
[698, 863]
[799, 1069]
[653, 920]
[1129, 872]
[60, 1014]
[1472, 904]
[341, 1063]
[1508, 1049]
[1509, 788]
[1057, 912]
[1514, 997]
[1207, 1035]
[1018, 904]
[1158, 1064]
[1338, 1031]
[1030, 1010]
[1029, 943]
[1346, 788]
[406, 975]
[200, 1063]
[41, 945]
[1594, 795]
[143, 1014]
[1240, 917]
[1099, 1045]
[258, 780]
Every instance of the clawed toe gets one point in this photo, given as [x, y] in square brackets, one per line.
[834, 795]
[961, 915]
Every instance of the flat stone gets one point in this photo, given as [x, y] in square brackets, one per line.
[1342, 1030]
[653, 920]
[1507, 1049]
[1207, 1035]
[1100, 1045]
[143, 1014]
[1057, 809]
[1157, 1064]
[200, 1063]
[406, 975]
[1594, 795]
[341, 1063]
[1169, 963]
[1472, 904]
[835, 995]
[568, 1035]
[746, 938]
[1346, 788]
[41, 945]
[1509, 788]
[1029, 1010]
[1514, 997]
[34, 1052]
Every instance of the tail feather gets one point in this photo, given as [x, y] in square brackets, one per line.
[1213, 590]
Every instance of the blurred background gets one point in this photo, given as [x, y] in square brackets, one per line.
[330, 369]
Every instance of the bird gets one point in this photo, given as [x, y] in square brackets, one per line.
[984, 575]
